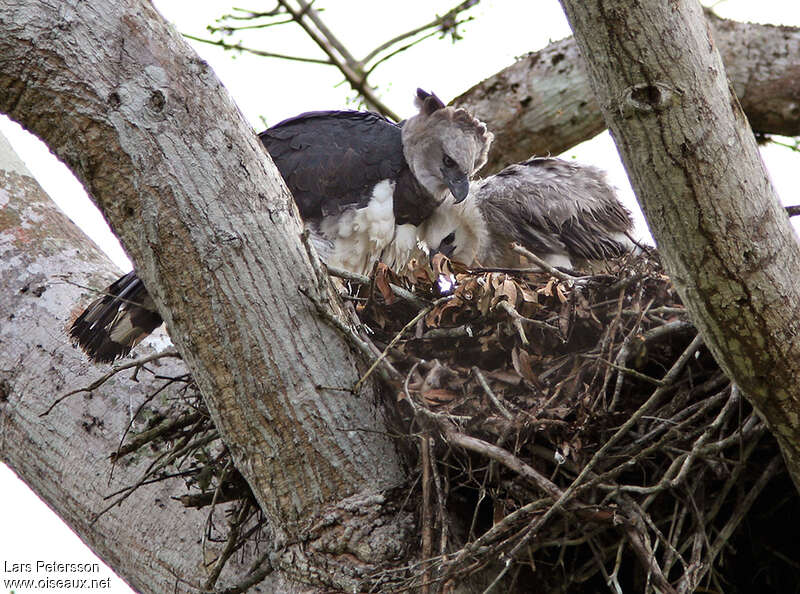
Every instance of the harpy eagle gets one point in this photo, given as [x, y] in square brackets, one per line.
[561, 211]
[362, 184]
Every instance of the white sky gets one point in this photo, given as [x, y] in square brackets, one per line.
[274, 90]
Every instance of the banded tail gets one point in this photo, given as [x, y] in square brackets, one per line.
[114, 323]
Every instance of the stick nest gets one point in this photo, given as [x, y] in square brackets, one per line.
[564, 433]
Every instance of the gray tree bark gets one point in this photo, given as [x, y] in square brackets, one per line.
[159, 144]
[543, 103]
[693, 161]
[45, 260]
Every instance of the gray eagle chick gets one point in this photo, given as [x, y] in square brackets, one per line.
[561, 211]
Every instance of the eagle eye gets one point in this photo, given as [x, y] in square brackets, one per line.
[449, 239]
[448, 162]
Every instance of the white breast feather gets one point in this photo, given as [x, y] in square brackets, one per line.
[398, 252]
[361, 235]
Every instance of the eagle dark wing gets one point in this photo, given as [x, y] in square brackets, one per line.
[332, 160]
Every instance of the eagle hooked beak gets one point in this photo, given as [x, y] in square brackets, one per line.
[459, 186]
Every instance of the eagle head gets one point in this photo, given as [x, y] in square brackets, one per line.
[444, 147]
[457, 230]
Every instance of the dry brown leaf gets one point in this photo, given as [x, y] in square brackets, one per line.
[522, 365]
[506, 376]
[381, 281]
[547, 290]
[436, 396]
[529, 296]
[505, 289]
[562, 293]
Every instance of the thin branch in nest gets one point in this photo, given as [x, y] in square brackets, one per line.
[517, 248]
[258, 572]
[166, 427]
[567, 495]
[117, 455]
[201, 500]
[610, 580]
[452, 332]
[642, 519]
[166, 458]
[631, 372]
[138, 364]
[689, 457]
[506, 458]
[230, 546]
[641, 547]
[386, 369]
[363, 279]
[626, 352]
[738, 514]
[210, 516]
[606, 344]
[427, 513]
[397, 338]
[492, 396]
[441, 498]
[516, 319]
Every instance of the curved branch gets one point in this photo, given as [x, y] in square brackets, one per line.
[543, 104]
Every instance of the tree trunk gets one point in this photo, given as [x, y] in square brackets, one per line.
[695, 167]
[543, 103]
[155, 138]
[149, 540]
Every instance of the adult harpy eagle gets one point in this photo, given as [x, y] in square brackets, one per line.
[561, 211]
[362, 185]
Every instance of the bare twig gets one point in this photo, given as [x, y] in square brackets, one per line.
[138, 363]
[397, 337]
[492, 396]
[261, 53]
[544, 265]
[448, 17]
[386, 369]
[328, 44]
[362, 279]
[427, 514]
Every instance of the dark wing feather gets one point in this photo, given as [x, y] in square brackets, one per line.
[331, 160]
[113, 324]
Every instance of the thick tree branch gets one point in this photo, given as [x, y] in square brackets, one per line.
[152, 134]
[543, 104]
[64, 457]
[694, 164]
